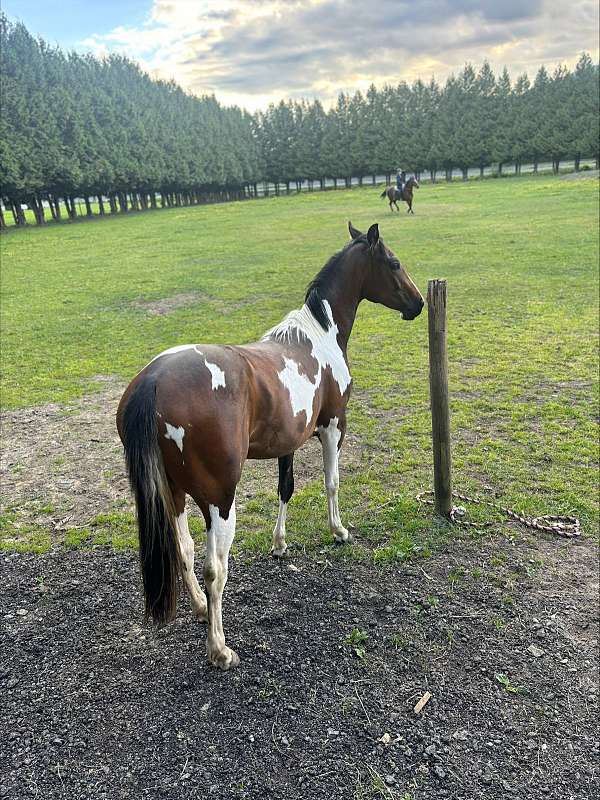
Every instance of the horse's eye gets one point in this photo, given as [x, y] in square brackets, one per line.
[394, 264]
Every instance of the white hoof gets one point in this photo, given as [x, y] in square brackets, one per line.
[341, 536]
[224, 659]
[280, 551]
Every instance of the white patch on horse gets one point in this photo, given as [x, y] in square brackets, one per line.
[329, 354]
[176, 434]
[300, 387]
[216, 373]
[324, 344]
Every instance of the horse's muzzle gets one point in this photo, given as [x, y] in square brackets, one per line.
[414, 310]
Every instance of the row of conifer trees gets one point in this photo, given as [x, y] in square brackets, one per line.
[74, 126]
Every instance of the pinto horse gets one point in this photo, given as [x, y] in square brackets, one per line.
[392, 194]
[195, 413]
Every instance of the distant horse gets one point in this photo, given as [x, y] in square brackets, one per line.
[392, 194]
[195, 413]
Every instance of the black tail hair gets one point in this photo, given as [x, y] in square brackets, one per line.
[383, 194]
[159, 554]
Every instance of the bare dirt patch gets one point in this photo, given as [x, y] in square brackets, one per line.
[158, 308]
[98, 705]
[574, 176]
[166, 305]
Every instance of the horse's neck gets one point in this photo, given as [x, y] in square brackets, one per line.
[343, 297]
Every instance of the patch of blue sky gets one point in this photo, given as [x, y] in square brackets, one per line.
[68, 22]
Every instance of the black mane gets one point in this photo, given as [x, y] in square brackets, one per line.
[317, 289]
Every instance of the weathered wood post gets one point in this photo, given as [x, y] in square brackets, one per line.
[438, 387]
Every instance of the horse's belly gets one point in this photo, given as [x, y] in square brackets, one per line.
[278, 438]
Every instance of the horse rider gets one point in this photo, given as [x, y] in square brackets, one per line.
[400, 180]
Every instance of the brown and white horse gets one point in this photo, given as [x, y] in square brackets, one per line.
[406, 195]
[195, 413]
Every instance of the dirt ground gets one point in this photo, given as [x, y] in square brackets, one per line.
[503, 635]
[96, 704]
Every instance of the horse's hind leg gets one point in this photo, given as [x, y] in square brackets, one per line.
[285, 491]
[220, 530]
[331, 438]
[186, 551]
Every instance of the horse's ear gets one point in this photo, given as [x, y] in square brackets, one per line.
[353, 232]
[373, 235]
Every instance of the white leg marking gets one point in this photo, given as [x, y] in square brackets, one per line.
[279, 545]
[330, 437]
[186, 549]
[219, 538]
[176, 434]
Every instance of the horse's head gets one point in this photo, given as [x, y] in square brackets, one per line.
[385, 280]
[412, 181]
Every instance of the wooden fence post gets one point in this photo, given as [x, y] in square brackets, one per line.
[438, 387]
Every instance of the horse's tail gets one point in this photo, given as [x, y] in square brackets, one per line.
[383, 194]
[159, 555]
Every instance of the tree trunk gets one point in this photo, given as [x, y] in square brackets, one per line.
[70, 204]
[481, 168]
[88, 207]
[465, 173]
[535, 166]
[2, 222]
[577, 162]
[41, 214]
[100, 205]
[122, 196]
[448, 174]
[52, 208]
[134, 201]
[13, 208]
[32, 203]
[500, 165]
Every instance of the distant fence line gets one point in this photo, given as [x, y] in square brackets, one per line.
[80, 207]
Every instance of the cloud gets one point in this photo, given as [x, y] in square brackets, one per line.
[255, 51]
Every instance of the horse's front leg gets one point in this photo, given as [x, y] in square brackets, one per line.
[220, 530]
[285, 490]
[331, 437]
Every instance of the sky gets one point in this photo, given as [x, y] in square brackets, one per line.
[253, 52]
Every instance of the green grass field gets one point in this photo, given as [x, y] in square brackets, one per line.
[521, 258]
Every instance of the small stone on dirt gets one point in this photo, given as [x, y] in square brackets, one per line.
[22, 612]
[535, 651]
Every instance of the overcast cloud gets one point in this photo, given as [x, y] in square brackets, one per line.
[252, 52]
